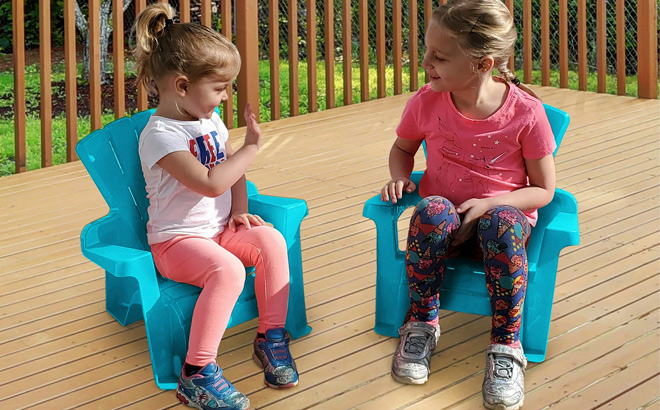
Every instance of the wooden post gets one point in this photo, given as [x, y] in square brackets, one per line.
[620, 47]
[647, 48]
[582, 45]
[563, 43]
[94, 20]
[545, 43]
[347, 51]
[413, 42]
[70, 80]
[142, 96]
[363, 8]
[227, 106]
[18, 27]
[184, 11]
[329, 30]
[397, 40]
[380, 48]
[46, 106]
[294, 89]
[527, 41]
[512, 59]
[274, 53]
[312, 102]
[601, 45]
[247, 36]
[118, 57]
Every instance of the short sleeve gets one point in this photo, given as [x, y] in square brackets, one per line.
[409, 128]
[157, 142]
[538, 141]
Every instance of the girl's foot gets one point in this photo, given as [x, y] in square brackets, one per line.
[207, 389]
[271, 352]
[504, 381]
[411, 363]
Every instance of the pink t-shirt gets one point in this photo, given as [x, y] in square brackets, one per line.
[469, 158]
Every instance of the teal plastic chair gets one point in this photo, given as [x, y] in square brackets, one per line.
[464, 285]
[118, 244]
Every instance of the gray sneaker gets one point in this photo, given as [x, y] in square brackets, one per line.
[412, 360]
[504, 381]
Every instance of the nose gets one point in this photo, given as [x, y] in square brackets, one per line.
[224, 96]
[426, 61]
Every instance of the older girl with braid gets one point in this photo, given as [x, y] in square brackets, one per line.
[489, 168]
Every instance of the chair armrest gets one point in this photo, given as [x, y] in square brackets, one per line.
[285, 214]
[120, 260]
[565, 226]
[386, 214]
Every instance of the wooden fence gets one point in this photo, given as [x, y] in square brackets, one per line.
[247, 37]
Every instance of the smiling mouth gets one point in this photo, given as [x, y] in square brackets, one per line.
[434, 77]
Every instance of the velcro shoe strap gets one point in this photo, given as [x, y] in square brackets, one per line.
[518, 355]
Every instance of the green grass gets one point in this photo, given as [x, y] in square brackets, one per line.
[33, 127]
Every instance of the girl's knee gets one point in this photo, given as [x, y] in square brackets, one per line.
[435, 204]
[265, 238]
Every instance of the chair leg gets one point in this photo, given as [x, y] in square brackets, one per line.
[537, 313]
[122, 299]
[296, 320]
[392, 294]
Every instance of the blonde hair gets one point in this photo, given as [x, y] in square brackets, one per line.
[482, 28]
[189, 49]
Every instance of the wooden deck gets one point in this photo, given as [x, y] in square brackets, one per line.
[60, 349]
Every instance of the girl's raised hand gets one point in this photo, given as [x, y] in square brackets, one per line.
[253, 133]
[395, 188]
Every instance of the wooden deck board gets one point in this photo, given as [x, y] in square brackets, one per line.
[603, 349]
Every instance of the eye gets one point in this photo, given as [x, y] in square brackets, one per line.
[437, 58]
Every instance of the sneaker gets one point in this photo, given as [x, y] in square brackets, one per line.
[504, 381]
[272, 354]
[209, 390]
[412, 360]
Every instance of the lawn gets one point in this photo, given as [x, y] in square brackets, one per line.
[59, 123]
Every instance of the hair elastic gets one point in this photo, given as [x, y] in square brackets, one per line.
[515, 81]
[168, 22]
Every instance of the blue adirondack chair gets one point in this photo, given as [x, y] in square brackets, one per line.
[118, 244]
[464, 285]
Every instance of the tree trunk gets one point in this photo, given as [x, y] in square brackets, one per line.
[106, 32]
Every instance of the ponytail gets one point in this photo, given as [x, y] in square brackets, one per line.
[150, 26]
[508, 76]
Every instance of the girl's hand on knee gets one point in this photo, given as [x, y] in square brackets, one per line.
[395, 188]
[471, 210]
[246, 219]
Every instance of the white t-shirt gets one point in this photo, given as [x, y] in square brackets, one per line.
[175, 209]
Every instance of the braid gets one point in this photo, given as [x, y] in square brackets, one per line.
[508, 76]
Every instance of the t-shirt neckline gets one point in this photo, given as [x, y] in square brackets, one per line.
[493, 116]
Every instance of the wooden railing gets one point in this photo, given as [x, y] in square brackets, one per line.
[247, 36]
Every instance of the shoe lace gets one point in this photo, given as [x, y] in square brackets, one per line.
[278, 350]
[415, 344]
[503, 367]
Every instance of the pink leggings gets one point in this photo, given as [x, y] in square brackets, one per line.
[218, 267]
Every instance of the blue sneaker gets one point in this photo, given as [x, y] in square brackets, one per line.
[209, 390]
[272, 354]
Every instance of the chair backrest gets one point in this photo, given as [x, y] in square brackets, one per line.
[558, 120]
[111, 158]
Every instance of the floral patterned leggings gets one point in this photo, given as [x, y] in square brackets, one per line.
[501, 239]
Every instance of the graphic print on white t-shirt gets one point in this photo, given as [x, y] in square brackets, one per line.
[207, 149]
